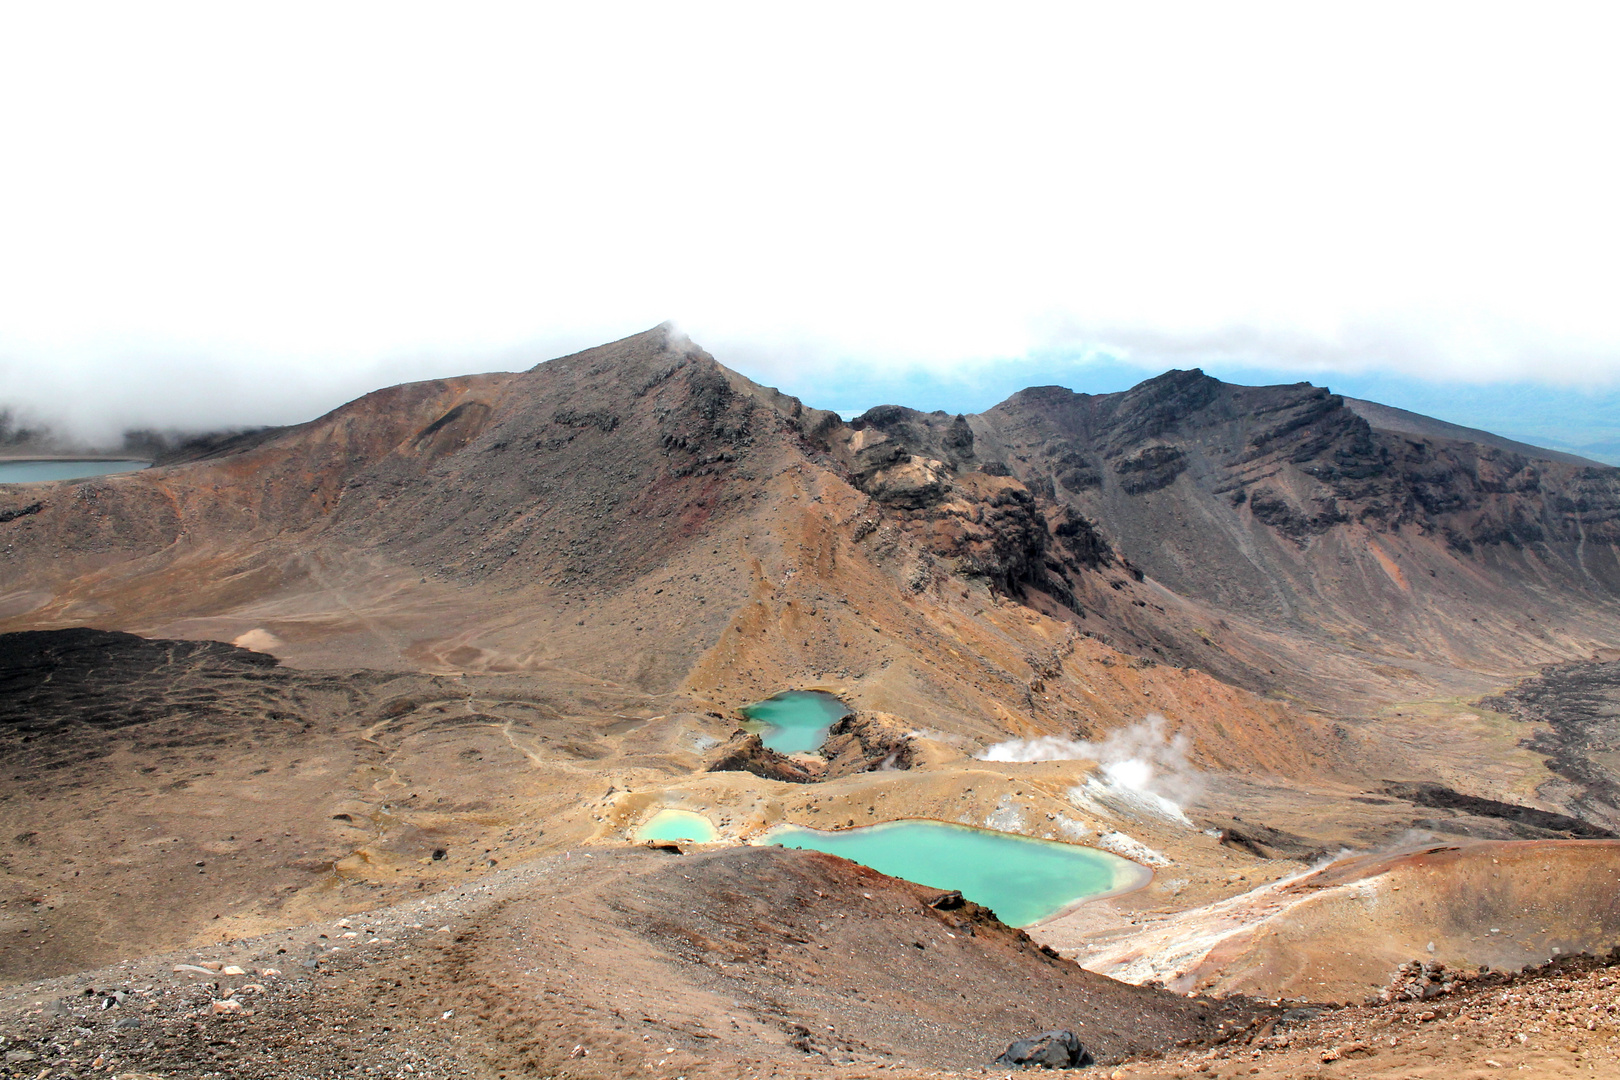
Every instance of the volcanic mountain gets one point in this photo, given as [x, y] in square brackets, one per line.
[1273, 536]
[317, 669]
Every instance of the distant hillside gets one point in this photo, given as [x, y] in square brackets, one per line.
[1386, 418]
[1605, 450]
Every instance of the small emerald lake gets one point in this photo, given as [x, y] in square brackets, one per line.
[678, 825]
[794, 722]
[33, 472]
[1022, 879]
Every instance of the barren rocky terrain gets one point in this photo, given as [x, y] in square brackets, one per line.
[433, 657]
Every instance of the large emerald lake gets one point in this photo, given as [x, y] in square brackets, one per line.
[794, 722]
[1022, 879]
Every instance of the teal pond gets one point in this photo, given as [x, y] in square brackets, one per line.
[794, 722]
[1022, 879]
[33, 472]
[678, 825]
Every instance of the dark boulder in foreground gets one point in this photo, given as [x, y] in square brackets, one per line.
[1050, 1050]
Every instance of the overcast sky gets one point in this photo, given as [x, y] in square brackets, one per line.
[239, 213]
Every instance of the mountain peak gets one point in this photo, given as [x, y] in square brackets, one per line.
[657, 341]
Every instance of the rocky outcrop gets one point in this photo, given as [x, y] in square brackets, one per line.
[855, 744]
[927, 475]
[744, 752]
[861, 743]
[1150, 468]
[1297, 523]
[910, 483]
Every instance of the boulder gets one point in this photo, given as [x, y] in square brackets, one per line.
[1049, 1050]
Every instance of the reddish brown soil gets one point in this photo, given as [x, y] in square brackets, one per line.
[607, 964]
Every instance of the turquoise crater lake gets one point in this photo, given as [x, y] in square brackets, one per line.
[672, 824]
[34, 472]
[794, 722]
[1022, 879]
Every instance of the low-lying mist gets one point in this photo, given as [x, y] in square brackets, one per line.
[68, 404]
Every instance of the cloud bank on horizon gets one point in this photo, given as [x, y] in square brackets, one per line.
[220, 213]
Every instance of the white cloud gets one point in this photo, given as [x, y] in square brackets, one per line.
[1424, 188]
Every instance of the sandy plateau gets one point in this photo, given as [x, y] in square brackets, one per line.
[377, 703]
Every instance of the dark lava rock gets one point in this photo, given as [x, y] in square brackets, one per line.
[1535, 823]
[1579, 704]
[1264, 842]
[1050, 1050]
[54, 680]
[13, 514]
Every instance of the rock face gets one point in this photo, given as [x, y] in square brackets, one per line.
[1261, 510]
[924, 472]
[1300, 462]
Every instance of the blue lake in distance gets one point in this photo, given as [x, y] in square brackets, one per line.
[33, 472]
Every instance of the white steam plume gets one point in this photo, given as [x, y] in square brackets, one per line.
[1142, 770]
[1041, 748]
